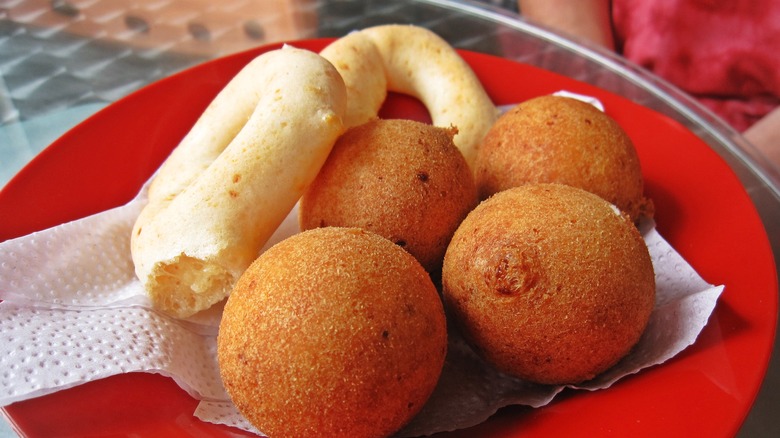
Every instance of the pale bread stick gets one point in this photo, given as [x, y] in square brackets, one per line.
[419, 63]
[360, 64]
[233, 179]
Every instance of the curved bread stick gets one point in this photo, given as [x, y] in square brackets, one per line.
[417, 62]
[235, 176]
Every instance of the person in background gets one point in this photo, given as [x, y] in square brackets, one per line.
[723, 53]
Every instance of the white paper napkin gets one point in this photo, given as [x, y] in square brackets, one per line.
[470, 391]
[73, 312]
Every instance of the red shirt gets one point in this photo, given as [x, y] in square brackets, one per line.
[724, 53]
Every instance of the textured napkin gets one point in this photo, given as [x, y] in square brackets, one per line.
[470, 391]
[73, 312]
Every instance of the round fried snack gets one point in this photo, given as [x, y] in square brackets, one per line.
[332, 332]
[402, 179]
[555, 139]
[550, 283]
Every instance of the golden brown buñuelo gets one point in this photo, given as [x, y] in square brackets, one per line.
[401, 179]
[332, 332]
[549, 282]
[555, 139]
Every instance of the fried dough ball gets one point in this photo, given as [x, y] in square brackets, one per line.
[332, 332]
[555, 139]
[402, 179]
[550, 283]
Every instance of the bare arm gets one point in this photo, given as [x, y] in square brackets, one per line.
[765, 135]
[585, 19]
[591, 20]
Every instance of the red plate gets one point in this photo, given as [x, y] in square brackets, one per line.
[702, 209]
